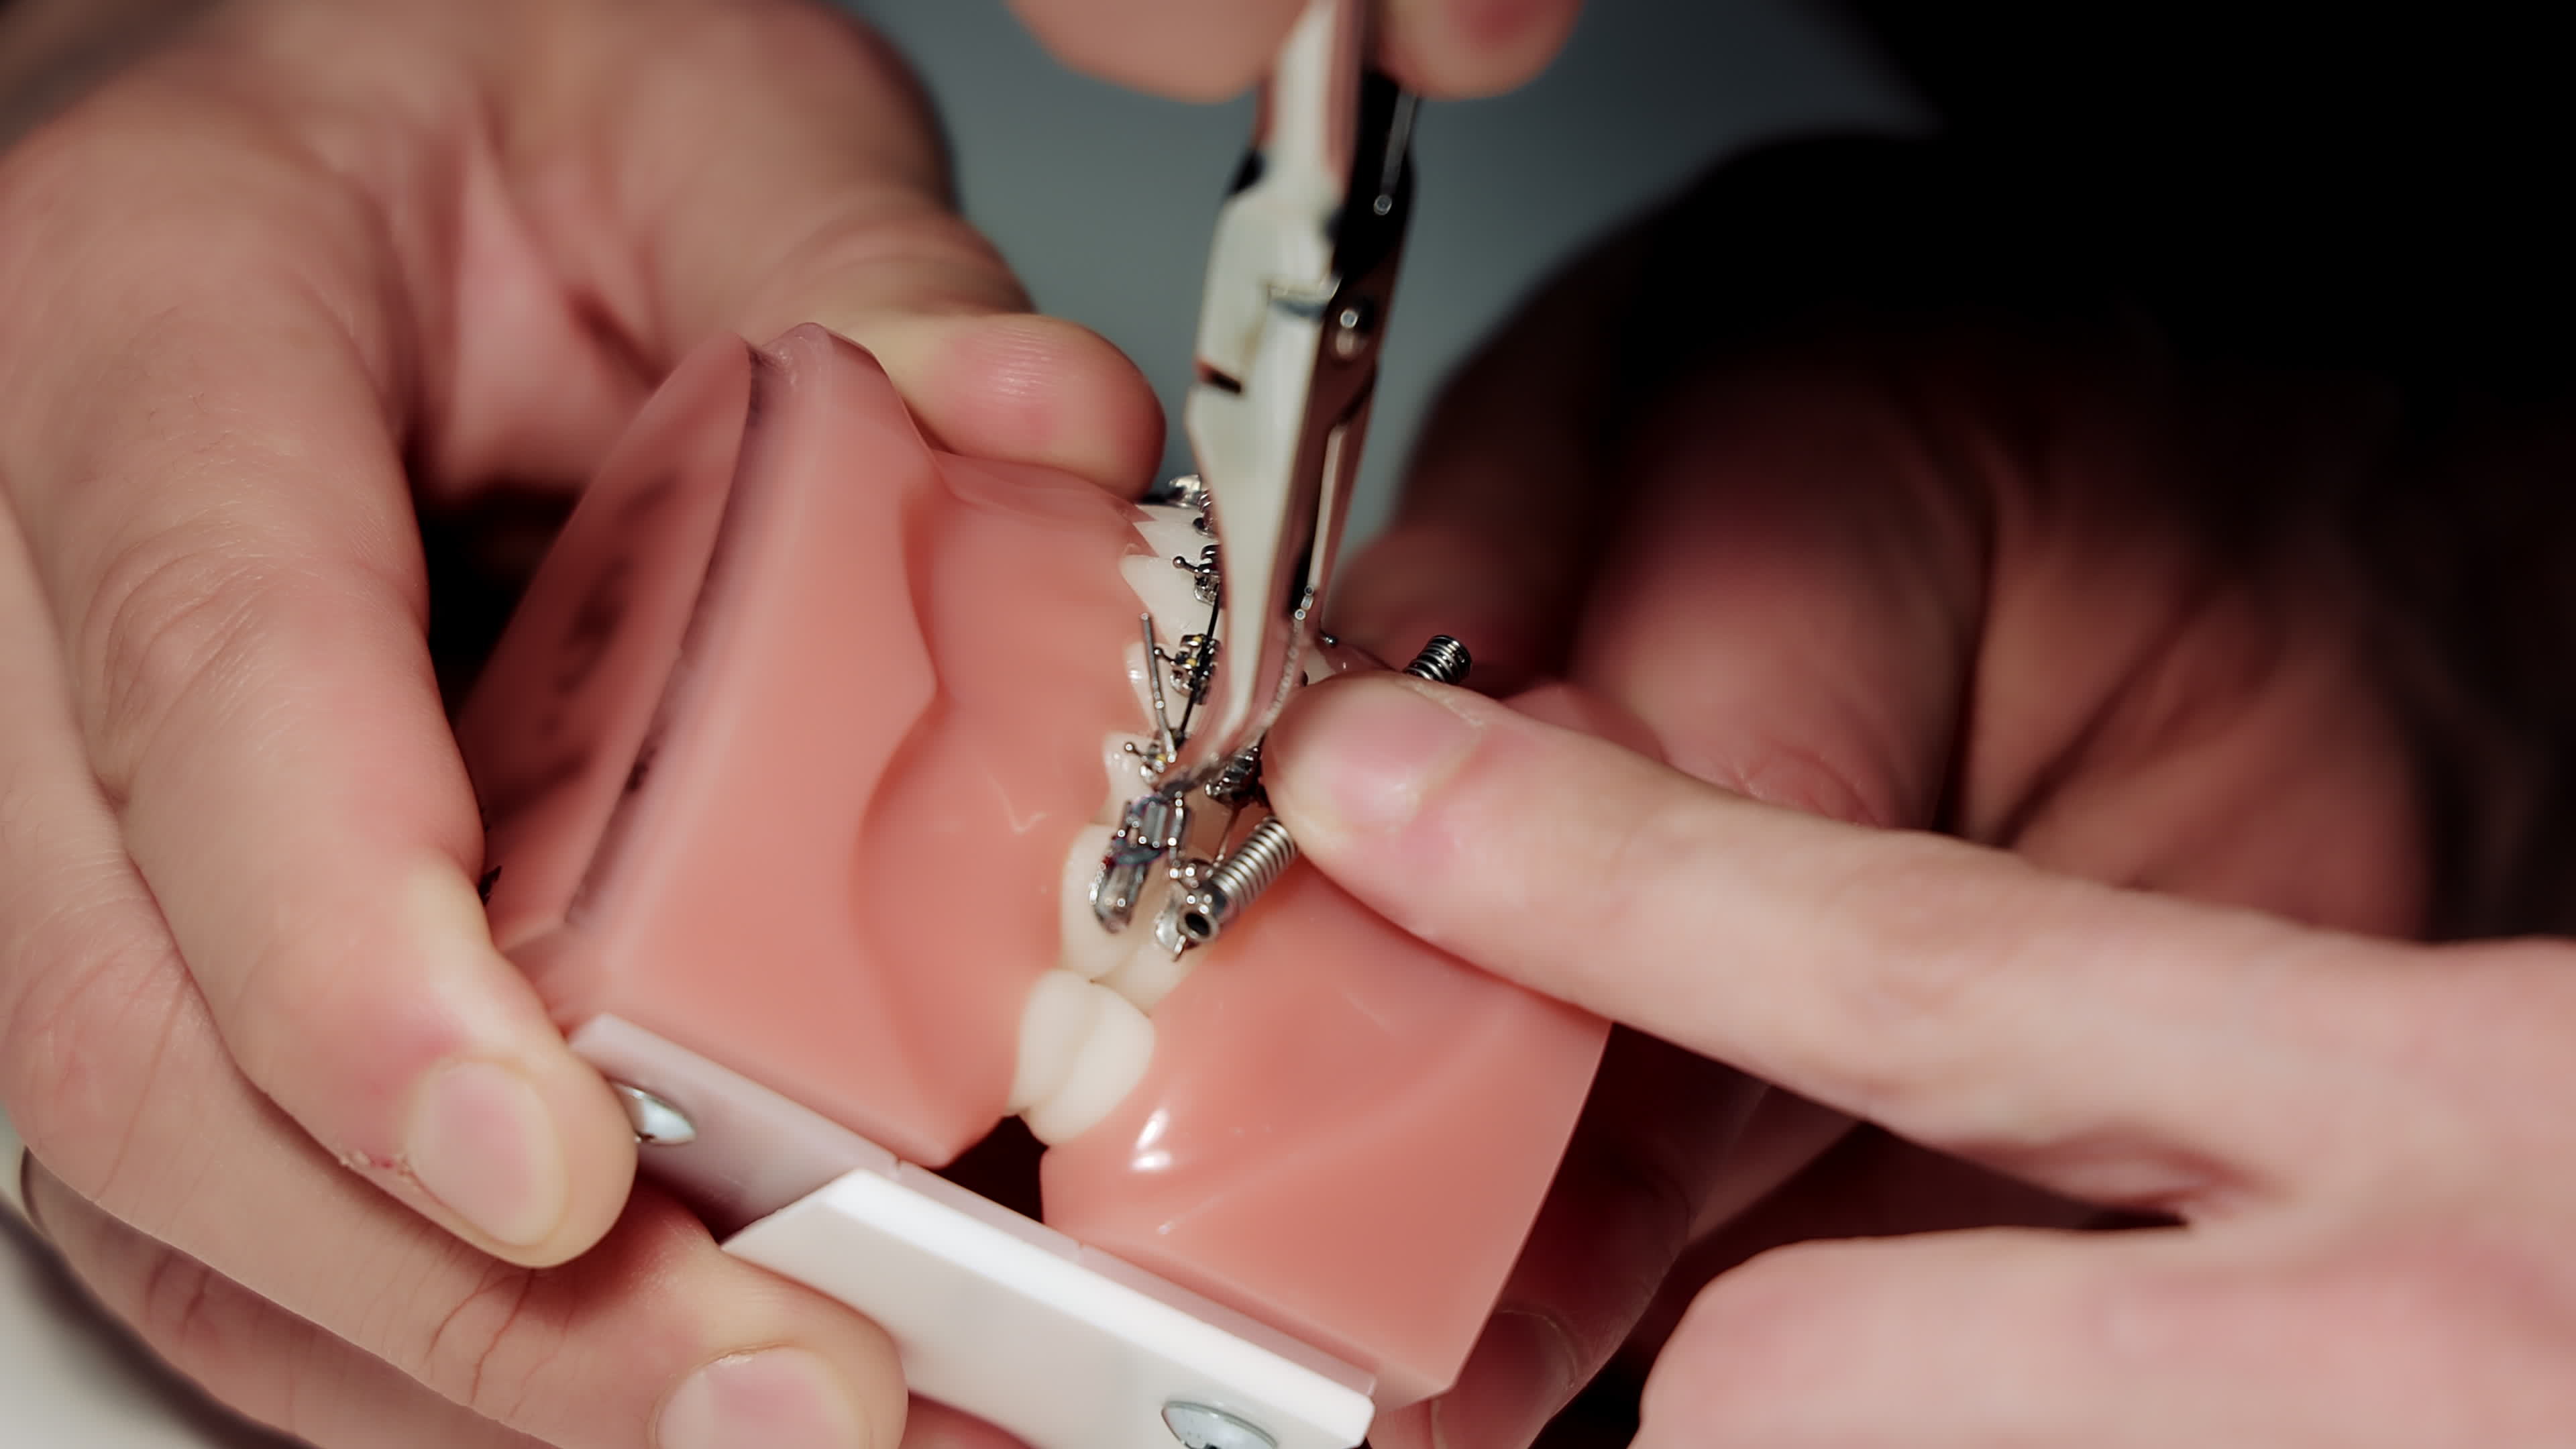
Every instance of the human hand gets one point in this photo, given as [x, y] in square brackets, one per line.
[304, 266]
[1851, 484]
[1206, 52]
[2360, 1139]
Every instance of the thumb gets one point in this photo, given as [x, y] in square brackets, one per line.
[783, 166]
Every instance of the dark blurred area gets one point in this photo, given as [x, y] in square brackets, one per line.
[2336, 240]
[2349, 226]
[2379, 184]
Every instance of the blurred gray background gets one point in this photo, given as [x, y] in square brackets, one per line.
[1104, 201]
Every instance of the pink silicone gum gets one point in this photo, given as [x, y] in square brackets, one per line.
[756, 757]
[782, 758]
[1343, 1132]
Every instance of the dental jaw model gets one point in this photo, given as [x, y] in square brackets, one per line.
[800, 760]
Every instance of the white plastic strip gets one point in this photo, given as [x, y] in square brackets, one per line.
[1002, 1318]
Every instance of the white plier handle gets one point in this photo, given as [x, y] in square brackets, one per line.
[1298, 283]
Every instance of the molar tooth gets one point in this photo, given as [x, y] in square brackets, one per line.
[1082, 1049]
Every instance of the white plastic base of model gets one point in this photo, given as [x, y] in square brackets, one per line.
[1007, 1319]
[1020, 1326]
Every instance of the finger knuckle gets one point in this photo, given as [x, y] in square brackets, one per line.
[2448, 1062]
[1804, 776]
[247, 1355]
[176, 1309]
[171, 641]
[1922, 965]
[98, 994]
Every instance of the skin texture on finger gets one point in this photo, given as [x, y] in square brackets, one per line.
[1474, 47]
[214, 502]
[1868, 1184]
[752, 167]
[2012, 1338]
[1795, 599]
[282, 1370]
[2056, 1029]
[256, 1359]
[1821, 1344]
[590, 1354]
[111, 1064]
[1200, 52]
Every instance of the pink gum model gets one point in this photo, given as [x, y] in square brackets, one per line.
[783, 759]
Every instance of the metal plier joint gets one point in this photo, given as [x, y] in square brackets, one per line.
[1298, 284]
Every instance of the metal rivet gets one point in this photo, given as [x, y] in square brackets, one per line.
[1199, 1427]
[1351, 328]
[657, 1123]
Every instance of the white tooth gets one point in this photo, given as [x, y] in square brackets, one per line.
[1134, 659]
[1173, 533]
[1053, 1023]
[1106, 1060]
[1083, 947]
[1125, 770]
[1150, 971]
[1168, 593]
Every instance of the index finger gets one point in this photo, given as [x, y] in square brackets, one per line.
[2110, 1044]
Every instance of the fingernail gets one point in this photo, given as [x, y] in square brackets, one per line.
[779, 1398]
[1367, 753]
[484, 1145]
[1520, 1374]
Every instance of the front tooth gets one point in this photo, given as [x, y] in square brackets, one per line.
[1053, 1023]
[1082, 1049]
[1149, 970]
[1169, 593]
[1122, 760]
[1143, 683]
[1084, 947]
[1173, 533]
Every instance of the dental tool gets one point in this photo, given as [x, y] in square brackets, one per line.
[1299, 281]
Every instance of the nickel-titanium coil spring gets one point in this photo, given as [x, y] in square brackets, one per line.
[1235, 882]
